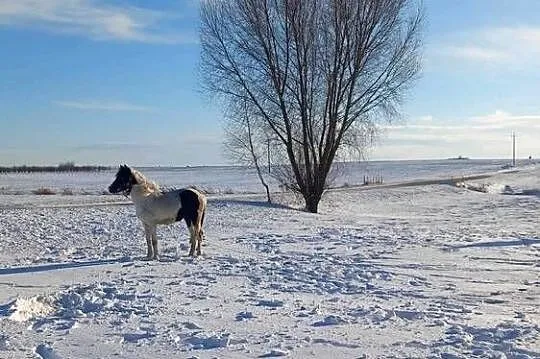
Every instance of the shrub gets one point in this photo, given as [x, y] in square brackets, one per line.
[44, 191]
[67, 192]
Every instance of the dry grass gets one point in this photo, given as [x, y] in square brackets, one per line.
[67, 192]
[44, 191]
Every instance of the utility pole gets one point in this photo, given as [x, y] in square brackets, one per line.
[513, 149]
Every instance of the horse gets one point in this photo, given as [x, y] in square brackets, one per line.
[155, 206]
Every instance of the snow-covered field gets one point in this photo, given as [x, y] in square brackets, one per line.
[227, 179]
[427, 271]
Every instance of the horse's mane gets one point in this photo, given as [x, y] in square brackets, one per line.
[149, 186]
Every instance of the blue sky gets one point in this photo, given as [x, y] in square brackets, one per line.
[106, 81]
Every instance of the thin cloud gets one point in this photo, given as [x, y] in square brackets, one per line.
[425, 119]
[116, 147]
[493, 121]
[474, 53]
[518, 45]
[502, 118]
[478, 136]
[104, 106]
[92, 19]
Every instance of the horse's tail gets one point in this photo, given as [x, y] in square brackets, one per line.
[201, 231]
[202, 212]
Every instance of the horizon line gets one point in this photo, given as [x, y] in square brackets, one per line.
[264, 165]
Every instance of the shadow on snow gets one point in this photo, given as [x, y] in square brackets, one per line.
[247, 202]
[66, 265]
[497, 243]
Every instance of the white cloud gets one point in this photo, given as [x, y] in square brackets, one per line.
[518, 45]
[475, 53]
[500, 119]
[89, 18]
[104, 106]
[425, 119]
[479, 136]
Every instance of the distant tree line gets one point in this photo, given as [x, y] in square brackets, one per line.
[62, 167]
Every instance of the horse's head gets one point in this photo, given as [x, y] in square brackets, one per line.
[124, 181]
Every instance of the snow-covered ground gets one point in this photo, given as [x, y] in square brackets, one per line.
[430, 271]
[228, 180]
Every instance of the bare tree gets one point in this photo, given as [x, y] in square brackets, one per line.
[243, 141]
[318, 73]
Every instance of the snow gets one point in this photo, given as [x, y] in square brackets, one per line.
[24, 309]
[227, 179]
[425, 270]
[44, 351]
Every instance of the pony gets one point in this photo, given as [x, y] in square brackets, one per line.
[155, 206]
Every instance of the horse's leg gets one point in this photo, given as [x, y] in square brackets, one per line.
[199, 241]
[148, 234]
[192, 240]
[154, 242]
[198, 230]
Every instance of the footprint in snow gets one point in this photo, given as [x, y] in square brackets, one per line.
[191, 325]
[44, 351]
[135, 337]
[271, 303]
[330, 320]
[204, 341]
[244, 316]
[4, 342]
[275, 353]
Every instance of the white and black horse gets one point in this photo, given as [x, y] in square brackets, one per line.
[154, 206]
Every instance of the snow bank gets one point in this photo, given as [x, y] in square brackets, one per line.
[62, 310]
[521, 181]
[24, 309]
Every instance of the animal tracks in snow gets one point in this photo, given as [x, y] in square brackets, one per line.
[369, 277]
[346, 280]
[45, 351]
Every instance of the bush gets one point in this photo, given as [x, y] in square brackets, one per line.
[67, 192]
[44, 191]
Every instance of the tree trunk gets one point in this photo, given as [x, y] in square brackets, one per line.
[261, 178]
[312, 201]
